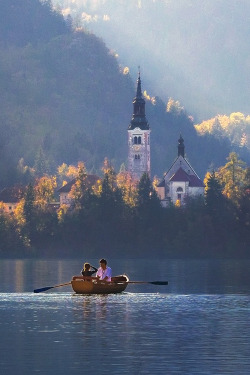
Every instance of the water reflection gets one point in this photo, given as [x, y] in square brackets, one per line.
[184, 276]
[198, 324]
[130, 333]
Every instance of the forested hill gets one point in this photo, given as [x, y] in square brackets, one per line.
[64, 98]
[29, 21]
[196, 51]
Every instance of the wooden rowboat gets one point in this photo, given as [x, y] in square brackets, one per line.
[90, 285]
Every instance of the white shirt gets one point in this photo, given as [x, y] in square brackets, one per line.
[103, 273]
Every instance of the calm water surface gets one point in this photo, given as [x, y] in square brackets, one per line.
[198, 324]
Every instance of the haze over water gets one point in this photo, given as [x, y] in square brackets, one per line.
[198, 324]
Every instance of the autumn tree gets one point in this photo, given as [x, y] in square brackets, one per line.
[80, 186]
[44, 191]
[243, 215]
[66, 173]
[231, 176]
[128, 187]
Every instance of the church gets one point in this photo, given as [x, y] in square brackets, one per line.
[180, 181]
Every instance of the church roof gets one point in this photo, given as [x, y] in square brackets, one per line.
[139, 119]
[181, 176]
[161, 184]
[91, 180]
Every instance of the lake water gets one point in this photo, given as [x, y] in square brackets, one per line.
[198, 324]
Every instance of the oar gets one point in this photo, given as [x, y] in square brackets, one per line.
[50, 287]
[144, 282]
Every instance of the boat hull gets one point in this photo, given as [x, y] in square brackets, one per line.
[93, 286]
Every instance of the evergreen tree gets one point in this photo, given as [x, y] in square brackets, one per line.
[41, 166]
[214, 198]
[29, 200]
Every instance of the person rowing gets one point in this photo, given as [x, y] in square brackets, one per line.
[104, 272]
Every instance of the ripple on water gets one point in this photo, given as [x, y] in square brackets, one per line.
[129, 333]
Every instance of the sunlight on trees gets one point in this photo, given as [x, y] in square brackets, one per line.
[231, 176]
[67, 171]
[178, 203]
[235, 127]
[174, 107]
[128, 187]
[62, 212]
[126, 70]
[44, 191]
[80, 187]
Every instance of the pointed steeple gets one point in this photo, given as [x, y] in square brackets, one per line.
[139, 118]
[138, 91]
[181, 147]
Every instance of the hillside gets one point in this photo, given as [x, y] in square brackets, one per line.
[65, 98]
[196, 51]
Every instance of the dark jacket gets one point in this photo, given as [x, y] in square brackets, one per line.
[89, 273]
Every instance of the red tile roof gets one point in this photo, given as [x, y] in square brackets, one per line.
[91, 181]
[181, 176]
[12, 194]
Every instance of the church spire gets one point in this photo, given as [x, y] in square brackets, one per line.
[138, 92]
[181, 147]
[139, 118]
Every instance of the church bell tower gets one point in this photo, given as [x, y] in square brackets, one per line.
[138, 137]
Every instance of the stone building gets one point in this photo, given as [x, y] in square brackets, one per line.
[180, 181]
[65, 190]
[138, 137]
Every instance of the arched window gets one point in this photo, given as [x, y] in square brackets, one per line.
[135, 140]
[135, 156]
[139, 140]
[179, 189]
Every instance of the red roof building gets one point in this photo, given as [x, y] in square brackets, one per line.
[180, 181]
[64, 191]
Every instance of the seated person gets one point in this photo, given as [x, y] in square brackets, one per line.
[104, 272]
[86, 270]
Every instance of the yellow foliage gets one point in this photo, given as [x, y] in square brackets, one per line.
[2, 208]
[69, 171]
[128, 187]
[205, 126]
[174, 106]
[155, 182]
[19, 213]
[97, 188]
[44, 190]
[231, 176]
[146, 96]
[178, 203]
[126, 70]
[224, 121]
[62, 212]
[237, 117]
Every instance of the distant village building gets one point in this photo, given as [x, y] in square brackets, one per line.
[64, 191]
[180, 181]
[10, 197]
[138, 138]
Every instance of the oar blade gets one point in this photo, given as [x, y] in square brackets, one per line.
[159, 282]
[43, 289]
